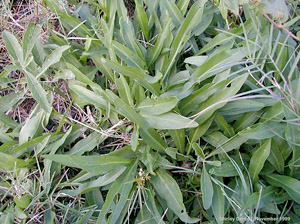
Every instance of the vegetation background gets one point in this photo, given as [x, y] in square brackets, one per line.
[149, 111]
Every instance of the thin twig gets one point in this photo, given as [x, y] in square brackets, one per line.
[280, 26]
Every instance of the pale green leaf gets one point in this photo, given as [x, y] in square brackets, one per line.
[258, 159]
[123, 187]
[30, 37]
[52, 58]
[289, 184]
[168, 189]
[157, 106]
[206, 189]
[94, 164]
[169, 121]
[13, 47]
[39, 94]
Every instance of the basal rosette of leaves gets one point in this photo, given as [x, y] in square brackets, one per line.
[207, 109]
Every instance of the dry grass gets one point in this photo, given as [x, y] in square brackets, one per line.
[16, 15]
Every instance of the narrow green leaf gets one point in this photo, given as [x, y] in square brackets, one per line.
[175, 13]
[89, 96]
[206, 189]
[258, 159]
[87, 144]
[178, 137]
[233, 143]
[198, 150]
[150, 136]
[246, 120]
[267, 196]
[178, 78]
[192, 19]
[219, 62]
[183, 5]
[39, 94]
[157, 106]
[196, 60]
[7, 121]
[169, 121]
[13, 47]
[224, 126]
[226, 169]
[242, 106]
[264, 130]
[8, 101]
[192, 102]
[19, 150]
[128, 33]
[168, 189]
[289, 184]
[134, 73]
[85, 218]
[30, 37]
[156, 50]
[31, 127]
[276, 157]
[124, 90]
[101, 181]
[73, 24]
[135, 138]
[142, 19]
[129, 56]
[9, 163]
[218, 204]
[197, 133]
[217, 101]
[94, 164]
[53, 58]
[121, 186]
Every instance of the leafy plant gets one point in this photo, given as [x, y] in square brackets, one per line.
[195, 114]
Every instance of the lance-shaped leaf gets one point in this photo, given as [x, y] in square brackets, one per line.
[123, 187]
[134, 73]
[129, 56]
[30, 37]
[38, 93]
[217, 101]
[169, 121]
[89, 96]
[289, 184]
[206, 189]
[258, 159]
[8, 101]
[142, 19]
[218, 204]
[9, 163]
[178, 137]
[192, 19]
[156, 50]
[103, 180]
[124, 90]
[168, 189]
[264, 130]
[52, 58]
[13, 47]
[157, 106]
[174, 11]
[150, 136]
[94, 164]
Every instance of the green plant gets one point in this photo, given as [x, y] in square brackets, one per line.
[194, 117]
